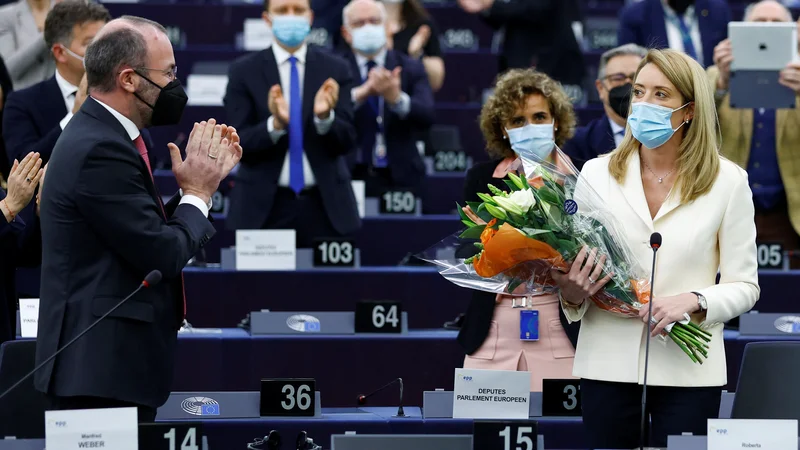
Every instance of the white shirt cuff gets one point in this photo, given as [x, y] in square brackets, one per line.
[356, 104]
[196, 201]
[65, 120]
[276, 135]
[403, 105]
[324, 125]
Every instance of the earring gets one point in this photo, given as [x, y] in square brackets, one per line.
[505, 137]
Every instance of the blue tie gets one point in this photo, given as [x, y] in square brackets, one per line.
[296, 181]
[686, 35]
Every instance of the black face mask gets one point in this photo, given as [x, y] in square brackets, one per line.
[619, 99]
[680, 6]
[170, 103]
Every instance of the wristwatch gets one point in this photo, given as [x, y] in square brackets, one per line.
[701, 301]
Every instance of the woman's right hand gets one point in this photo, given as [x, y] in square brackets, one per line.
[582, 281]
[472, 216]
[22, 182]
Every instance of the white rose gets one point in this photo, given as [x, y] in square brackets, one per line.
[523, 199]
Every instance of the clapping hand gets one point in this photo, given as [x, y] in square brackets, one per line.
[583, 279]
[475, 6]
[212, 151]
[22, 182]
[278, 108]
[387, 83]
[419, 41]
[667, 310]
[326, 98]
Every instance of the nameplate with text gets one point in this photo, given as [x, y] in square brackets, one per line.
[725, 434]
[266, 250]
[28, 317]
[491, 394]
[114, 428]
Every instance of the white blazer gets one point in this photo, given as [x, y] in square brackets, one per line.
[715, 232]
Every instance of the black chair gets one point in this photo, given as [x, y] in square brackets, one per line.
[22, 410]
[767, 387]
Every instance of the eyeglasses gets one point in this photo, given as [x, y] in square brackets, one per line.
[171, 73]
[619, 78]
[361, 22]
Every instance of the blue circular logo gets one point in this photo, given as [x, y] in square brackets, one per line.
[570, 207]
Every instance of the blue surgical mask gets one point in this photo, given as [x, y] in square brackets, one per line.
[652, 124]
[290, 30]
[369, 39]
[533, 141]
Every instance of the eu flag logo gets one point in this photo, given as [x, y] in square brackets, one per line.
[312, 326]
[210, 410]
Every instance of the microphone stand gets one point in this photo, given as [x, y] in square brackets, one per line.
[642, 434]
[362, 399]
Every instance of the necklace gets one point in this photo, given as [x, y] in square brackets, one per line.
[660, 179]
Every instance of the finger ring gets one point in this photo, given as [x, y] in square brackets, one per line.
[212, 156]
[28, 180]
[592, 281]
[653, 321]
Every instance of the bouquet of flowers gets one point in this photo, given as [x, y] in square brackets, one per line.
[515, 237]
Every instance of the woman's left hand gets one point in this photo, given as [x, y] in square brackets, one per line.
[667, 310]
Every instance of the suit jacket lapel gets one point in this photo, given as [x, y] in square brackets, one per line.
[704, 25]
[633, 190]
[271, 73]
[606, 139]
[312, 81]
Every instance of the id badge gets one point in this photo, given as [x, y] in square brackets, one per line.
[379, 158]
[529, 325]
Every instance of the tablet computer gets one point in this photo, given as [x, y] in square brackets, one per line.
[760, 51]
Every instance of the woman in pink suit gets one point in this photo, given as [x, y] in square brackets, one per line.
[527, 114]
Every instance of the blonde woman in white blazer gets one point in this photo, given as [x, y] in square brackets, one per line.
[667, 177]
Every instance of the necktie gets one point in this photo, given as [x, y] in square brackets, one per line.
[372, 100]
[686, 36]
[296, 181]
[142, 149]
[139, 143]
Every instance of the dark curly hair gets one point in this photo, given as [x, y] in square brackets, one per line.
[511, 91]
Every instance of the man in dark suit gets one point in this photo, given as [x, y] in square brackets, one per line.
[296, 130]
[536, 34]
[104, 227]
[393, 102]
[614, 87]
[34, 117]
[694, 27]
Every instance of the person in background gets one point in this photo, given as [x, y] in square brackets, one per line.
[22, 44]
[393, 101]
[291, 104]
[691, 26]
[35, 116]
[524, 103]
[666, 176]
[20, 242]
[6, 87]
[614, 78]
[537, 34]
[414, 33]
[764, 141]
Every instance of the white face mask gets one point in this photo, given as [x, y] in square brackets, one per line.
[73, 54]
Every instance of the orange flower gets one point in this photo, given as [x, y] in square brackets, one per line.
[489, 231]
[508, 247]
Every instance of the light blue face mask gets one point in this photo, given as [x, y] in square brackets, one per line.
[533, 141]
[652, 124]
[369, 39]
[290, 30]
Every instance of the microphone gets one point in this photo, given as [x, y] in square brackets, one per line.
[362, 399]
[655, 244]
[152, 279]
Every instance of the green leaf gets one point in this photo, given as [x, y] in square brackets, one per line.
[474, 205]
[496, 212]
[468, 223]
[515, 219]
[517, 180]
[461, 213]
[473, 232]
[524, 181]
[483, 213]
[511, 185]
[548, 195]
[531, 232]
[513, 285]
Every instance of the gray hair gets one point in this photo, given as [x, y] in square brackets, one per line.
[111, 52]
[350, 5]
[623, 50]
[749, 10]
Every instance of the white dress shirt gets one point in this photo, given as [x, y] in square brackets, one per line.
[322, 126]
[133, 133]
[619, 132]
[68, 93]
[403, 105]
[674, 35]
